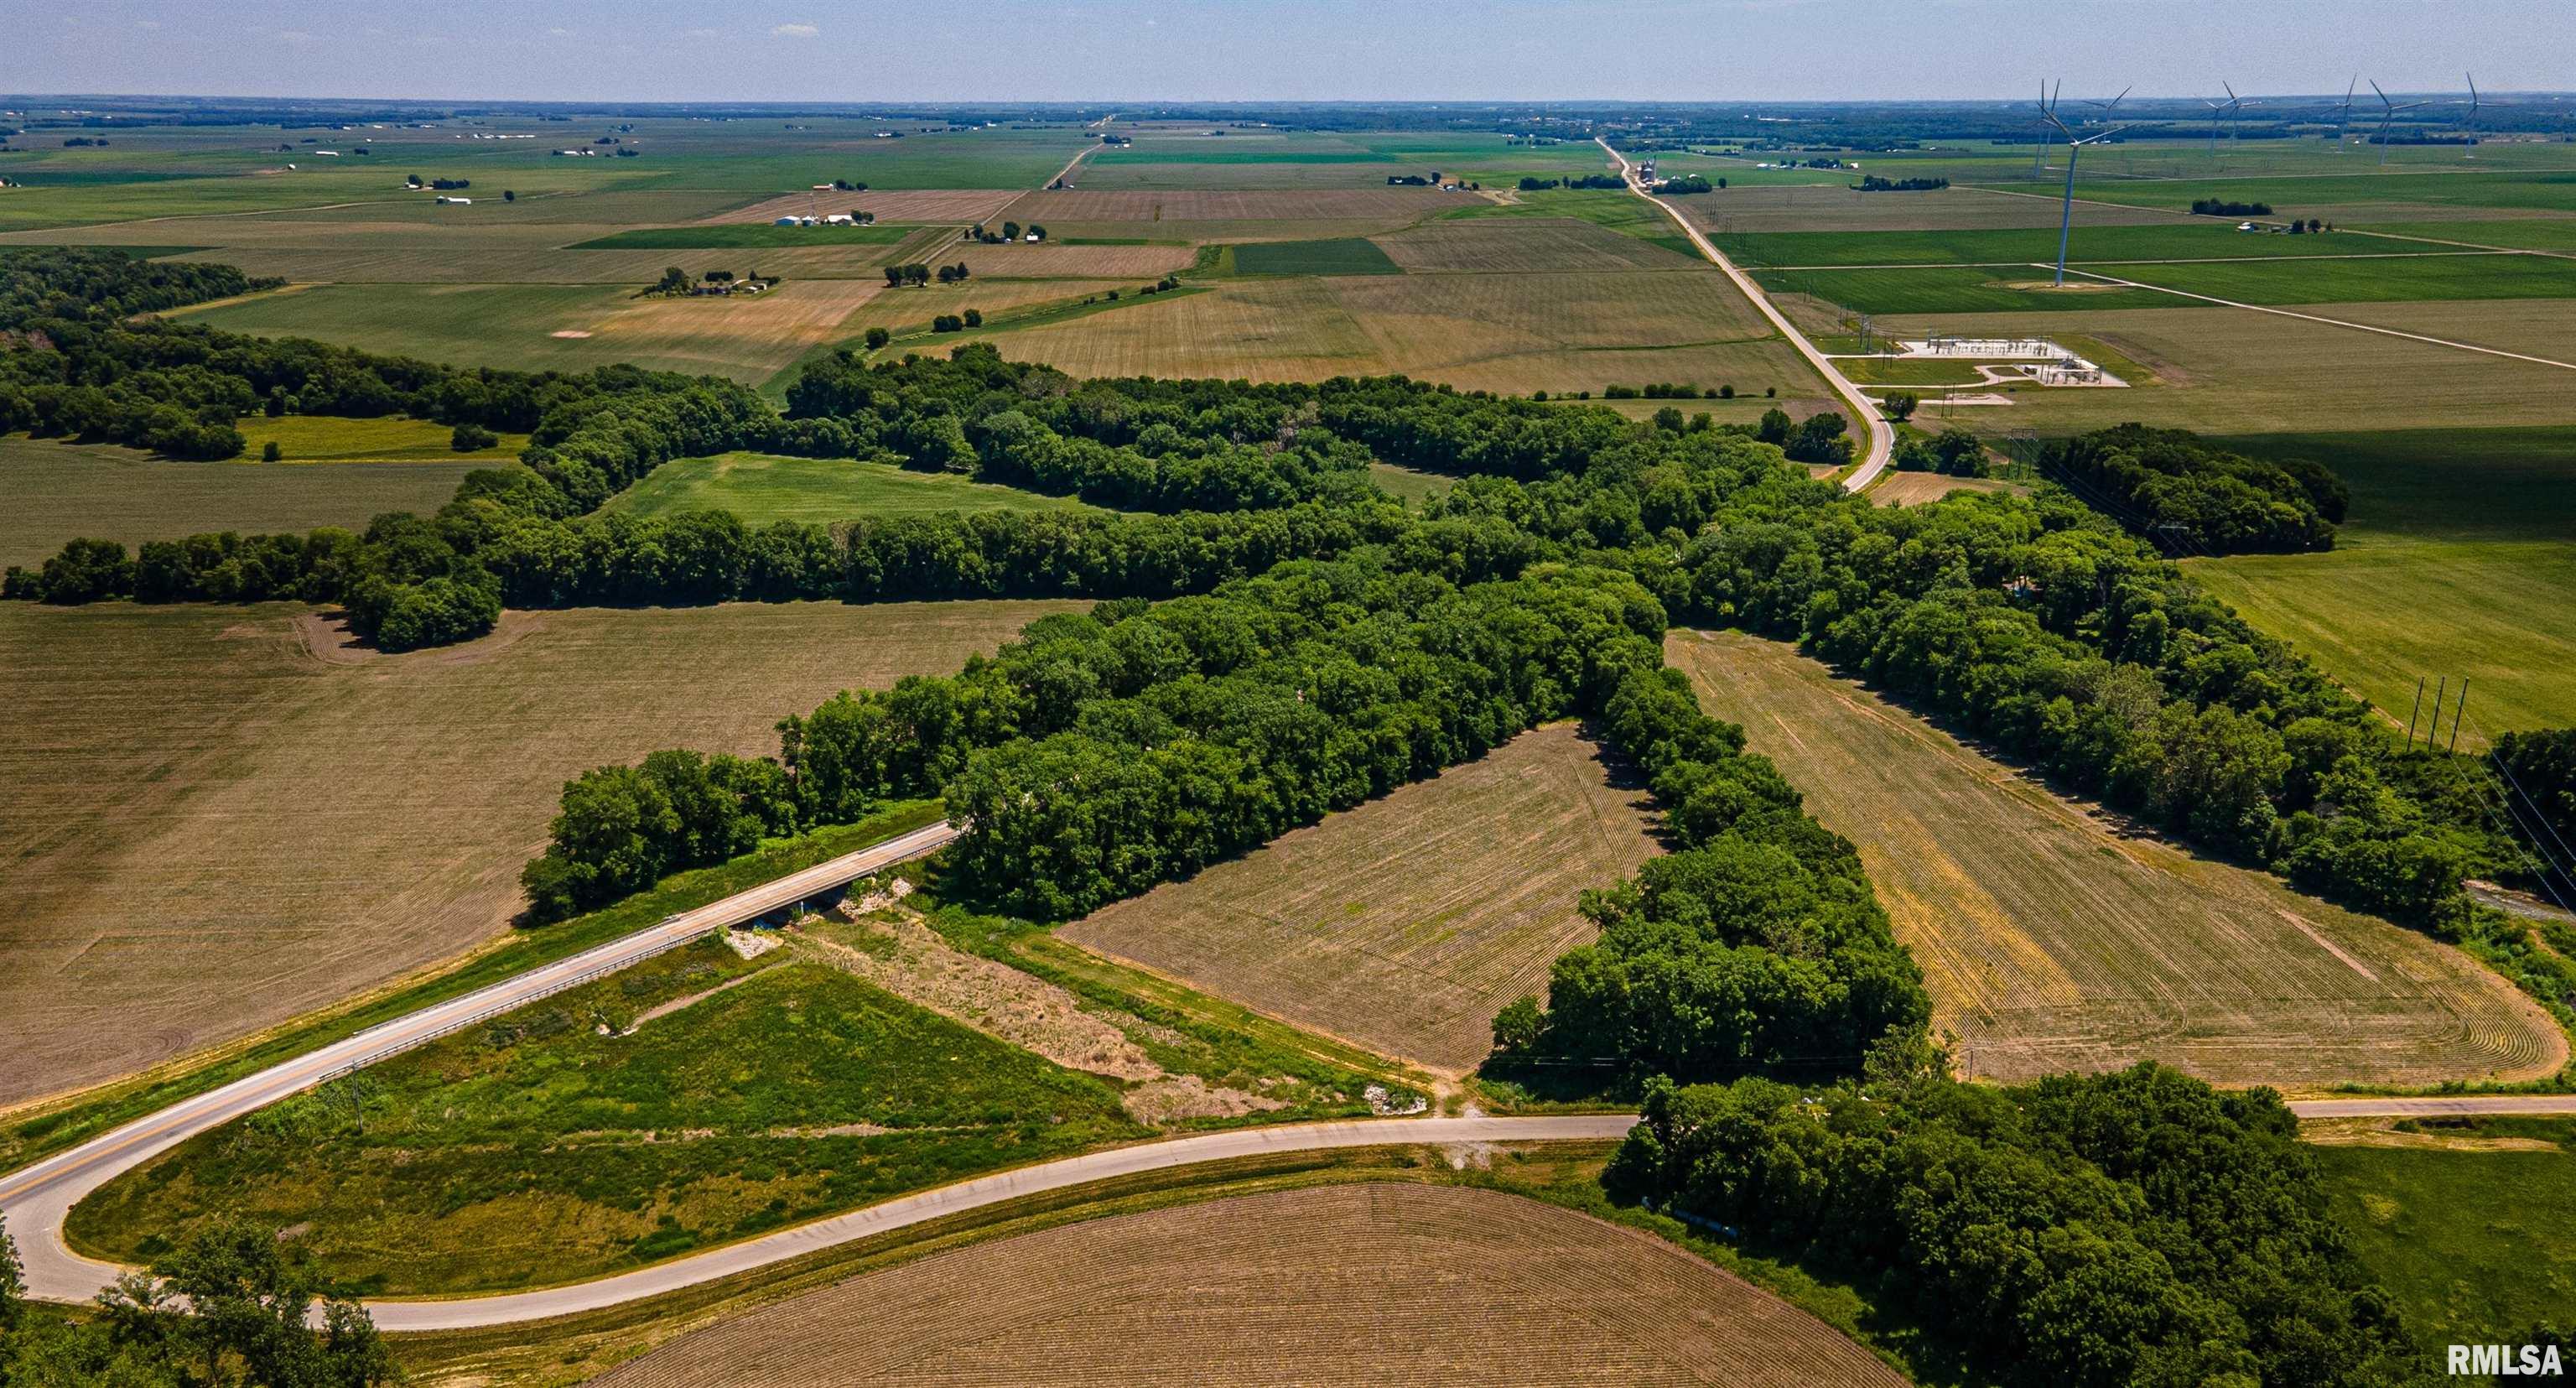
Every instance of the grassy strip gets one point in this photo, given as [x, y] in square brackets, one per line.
[45, 1131]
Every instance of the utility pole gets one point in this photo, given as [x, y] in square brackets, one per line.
[2413, 712]
[2439, 691]
[2456, 711]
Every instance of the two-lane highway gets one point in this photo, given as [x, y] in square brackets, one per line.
[1881, 435]
[35, 1200]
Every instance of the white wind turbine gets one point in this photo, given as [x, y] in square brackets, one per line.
[2388, 115]
[2074, 144]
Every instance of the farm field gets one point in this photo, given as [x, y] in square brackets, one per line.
[2199, 238]
[1558, 332]
[1407, 923]
[2463, 1223]
[1232, 214]
[2530, 233]
[765, 487]
[226, 802]
[2052, 939]
[725, 236]
[1527, 245]
[2389, 277]
[2458, 560]
[1349, 255]
[1836, 208]
[558, 327]
[1353, 1284]
[1915, 488]
[2234, 371]
[64, 491]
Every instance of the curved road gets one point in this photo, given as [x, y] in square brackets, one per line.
[35, 1199]
[1882, 436]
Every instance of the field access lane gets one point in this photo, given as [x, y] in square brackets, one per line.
[1880, 434]
[34, 1201]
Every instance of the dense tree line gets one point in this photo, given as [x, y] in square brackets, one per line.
[2540, 771]
[2130, 1229]
[2223, 207]
[227, 1307]
[2192, 498]
[1099, 755]
[1872, 183]
[1756, 943]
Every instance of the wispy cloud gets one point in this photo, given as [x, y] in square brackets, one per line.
[796, 31]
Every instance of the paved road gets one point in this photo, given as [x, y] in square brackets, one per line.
[775, 1248]
[35, 1199]
[1881, 447]
[2434, 1106]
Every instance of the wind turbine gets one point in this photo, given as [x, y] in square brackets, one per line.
[2389, 115]
[2346, 118]
[2039, 142]
[2227, 108]
[2066, 218]
[2472, 118]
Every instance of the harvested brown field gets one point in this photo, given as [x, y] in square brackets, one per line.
[1202, 215]
[1274, 330]
[1407, 923]
[2055, 938]
[1508, 332]
[961, 206]
[1358, 1284]
[749, 337]
[1494, 245]
[221, 817]
[1915, 488]
[414, 263]
[1130, 266]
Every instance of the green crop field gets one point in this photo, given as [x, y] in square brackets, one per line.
[2520, 233]
[1962, 289]
[2395, 278]
[388, 439]
[2204, 240]
[63, 491]
[763, 487]
[535, 1149]
[743, 236]
[2471, 1240]
[2459, 560]
[1343, 256]
[2542, 189]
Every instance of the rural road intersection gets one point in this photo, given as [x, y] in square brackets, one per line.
[36, 1200]
[1882, 435]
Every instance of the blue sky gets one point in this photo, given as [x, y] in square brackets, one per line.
[1206, 50]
